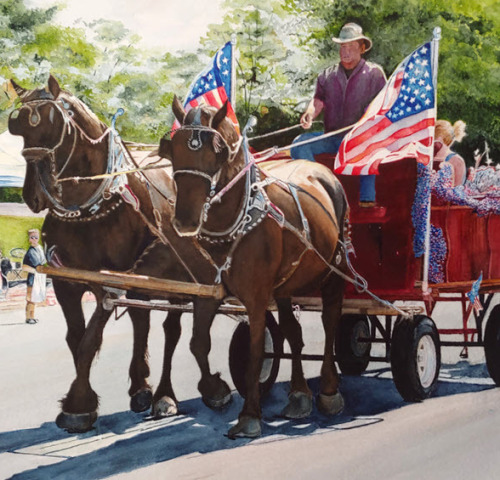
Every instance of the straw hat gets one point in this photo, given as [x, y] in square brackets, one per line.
[351, 32]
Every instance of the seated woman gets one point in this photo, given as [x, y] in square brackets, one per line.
[446, 134]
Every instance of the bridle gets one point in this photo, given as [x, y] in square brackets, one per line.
[219, 143]
[70, 128]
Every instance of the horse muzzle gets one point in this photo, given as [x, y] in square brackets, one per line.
[186, 229]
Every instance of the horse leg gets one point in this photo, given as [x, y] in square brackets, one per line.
[300, 402]
[249, 418]
[164, 401]
[215, 392]
[69, 296]
[140, 391]
[330, 401]
[79, 407]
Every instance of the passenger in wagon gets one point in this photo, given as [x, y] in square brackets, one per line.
[343, 92]
[445, 135]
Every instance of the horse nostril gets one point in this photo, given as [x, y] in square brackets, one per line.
[177, 225]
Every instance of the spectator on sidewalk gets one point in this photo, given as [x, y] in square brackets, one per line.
[33, 258]
[5, 268]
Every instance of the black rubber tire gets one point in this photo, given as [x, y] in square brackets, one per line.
[413, 337]
[492, 344]
[239, 352]
[353, 356]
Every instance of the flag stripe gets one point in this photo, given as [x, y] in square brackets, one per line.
[388, 137]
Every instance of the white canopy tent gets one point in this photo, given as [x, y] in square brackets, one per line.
[12, 163]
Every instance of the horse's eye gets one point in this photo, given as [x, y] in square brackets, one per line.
[71, 113]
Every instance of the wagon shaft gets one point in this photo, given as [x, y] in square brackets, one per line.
[127, 281]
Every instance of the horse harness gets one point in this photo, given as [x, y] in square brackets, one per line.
[91, 208]
[256, 205]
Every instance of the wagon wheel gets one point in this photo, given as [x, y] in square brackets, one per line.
[353, 355]
[17, 252]
[492, 344]
[415, 357]
[239, 352]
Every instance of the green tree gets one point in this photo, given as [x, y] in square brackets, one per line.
[264, 50]
[469, 58]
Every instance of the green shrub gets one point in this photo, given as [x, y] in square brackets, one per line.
[14, 232]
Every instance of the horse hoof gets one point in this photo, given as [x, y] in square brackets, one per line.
[330, 404]
[141, 401]
[165, 407]
[215, 392]
[300, 405]
[217, 403]
[76, 422]
[247, 427]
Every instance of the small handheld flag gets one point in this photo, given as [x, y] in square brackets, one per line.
[474, 294]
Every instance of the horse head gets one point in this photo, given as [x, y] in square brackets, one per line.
[205, 153]
[49, 120]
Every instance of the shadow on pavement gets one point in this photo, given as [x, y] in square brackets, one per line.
[126, 441]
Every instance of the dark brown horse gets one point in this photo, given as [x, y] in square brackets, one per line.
[269, 239]
[119, 223]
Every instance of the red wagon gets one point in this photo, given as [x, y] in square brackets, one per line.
[383, 238]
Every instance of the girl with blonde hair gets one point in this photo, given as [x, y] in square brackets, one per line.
[445, 135]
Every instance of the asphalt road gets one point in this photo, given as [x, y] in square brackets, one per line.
[453, 435]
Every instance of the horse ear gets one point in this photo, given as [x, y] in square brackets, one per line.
[219, 116]
[54, 87]
[18, 89]
[178, 109]
[165, 150]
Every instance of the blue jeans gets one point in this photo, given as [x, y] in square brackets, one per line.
[331, 145]
[325, 145]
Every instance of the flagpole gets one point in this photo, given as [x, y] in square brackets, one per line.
[233, 72]
[434, 58]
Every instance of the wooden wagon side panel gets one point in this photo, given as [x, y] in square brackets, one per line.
[493, 232]
[468, 240]
[383, 236]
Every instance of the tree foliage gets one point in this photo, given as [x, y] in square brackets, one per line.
[283, 45]
[469, 52]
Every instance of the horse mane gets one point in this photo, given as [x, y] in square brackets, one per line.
[84, 117]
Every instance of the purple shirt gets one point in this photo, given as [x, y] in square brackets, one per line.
[345, 99]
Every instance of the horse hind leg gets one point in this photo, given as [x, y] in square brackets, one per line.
[140, 390]
[330, 401]
[300, 402]
[164, 401]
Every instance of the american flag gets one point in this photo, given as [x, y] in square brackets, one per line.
[213, 86]
[474, 294]
[399, 123]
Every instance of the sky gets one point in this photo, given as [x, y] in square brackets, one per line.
[170, 24]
